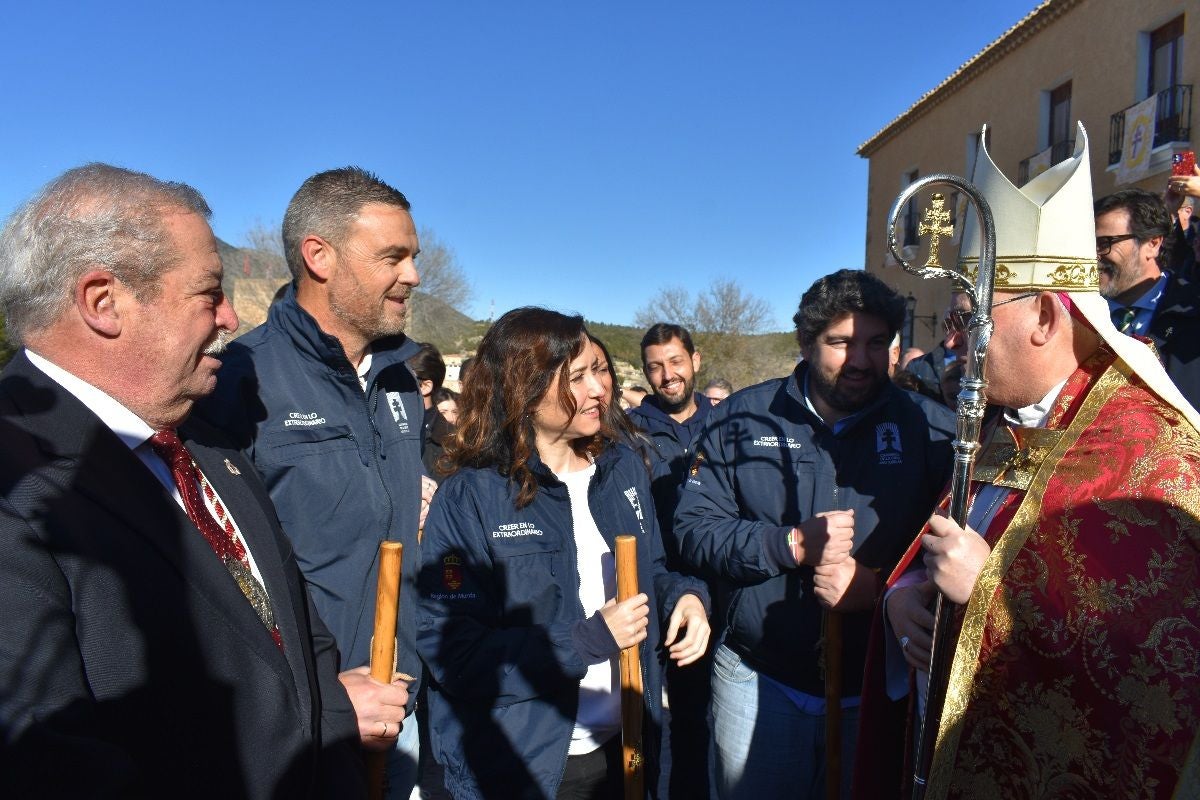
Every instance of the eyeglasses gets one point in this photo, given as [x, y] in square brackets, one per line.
[957, 321]
[1105, 243]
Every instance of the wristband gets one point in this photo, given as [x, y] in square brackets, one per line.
[793, 540]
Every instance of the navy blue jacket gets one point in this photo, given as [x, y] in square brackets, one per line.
[342, 465]
[1175, 331]
[764, 464]
[673, 441]
[502, 629]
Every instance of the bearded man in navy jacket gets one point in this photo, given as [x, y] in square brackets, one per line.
[802, 491]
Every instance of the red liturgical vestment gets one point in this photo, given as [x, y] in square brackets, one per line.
[1076, 672]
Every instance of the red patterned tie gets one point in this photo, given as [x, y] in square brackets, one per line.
[221, 538]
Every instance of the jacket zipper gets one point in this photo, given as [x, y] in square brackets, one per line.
[574, 551]
[371, 405]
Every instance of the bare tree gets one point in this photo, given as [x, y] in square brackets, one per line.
[264, 236]
[723, 321]
[671, 304]
[441, 274]
[724, 309]
[261, 254]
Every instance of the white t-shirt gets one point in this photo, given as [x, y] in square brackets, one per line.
[599, 716]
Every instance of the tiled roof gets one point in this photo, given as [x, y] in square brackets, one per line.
[1010, 40]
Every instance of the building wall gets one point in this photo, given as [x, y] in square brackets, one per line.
[1092, 43]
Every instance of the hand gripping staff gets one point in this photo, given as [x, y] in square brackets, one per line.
[633, 766]
[383, 645]
[972, 400]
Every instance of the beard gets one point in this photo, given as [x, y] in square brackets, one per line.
[846, 399]
[674, 406]
[1112, 270]
[346, 302]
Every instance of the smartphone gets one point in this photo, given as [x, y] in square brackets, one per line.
[1184, 163]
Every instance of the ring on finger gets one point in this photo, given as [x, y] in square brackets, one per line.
[904, 640]
[385, 730]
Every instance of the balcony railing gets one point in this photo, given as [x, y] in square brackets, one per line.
[1172, 123]
[1059, 151]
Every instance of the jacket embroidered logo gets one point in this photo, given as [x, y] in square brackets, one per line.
[452, 572]
[398, 413]
[887, 442]
[632, 496]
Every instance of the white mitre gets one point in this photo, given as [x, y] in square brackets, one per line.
[1046, 241]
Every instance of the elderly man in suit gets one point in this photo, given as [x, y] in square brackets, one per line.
[157, 638]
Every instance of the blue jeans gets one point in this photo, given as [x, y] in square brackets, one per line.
[764, 745]
[402, 761]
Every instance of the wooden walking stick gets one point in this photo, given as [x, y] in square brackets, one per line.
[631, 679]
[833, 705]
[383, 646]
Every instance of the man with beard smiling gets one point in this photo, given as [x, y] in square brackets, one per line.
[1132, 231]
[802, 490]
[673, 415]
[321, 400]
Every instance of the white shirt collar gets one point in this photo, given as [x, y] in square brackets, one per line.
[129, 427]
[1034, 416]
[364, 367]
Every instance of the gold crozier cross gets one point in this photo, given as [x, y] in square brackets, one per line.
[934, 226]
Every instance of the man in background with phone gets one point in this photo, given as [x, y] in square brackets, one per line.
[1133, 235]
[1180, 197]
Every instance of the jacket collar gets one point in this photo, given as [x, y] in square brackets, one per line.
[793, 389]
[548, 480]
[288, 316]
[650, 407]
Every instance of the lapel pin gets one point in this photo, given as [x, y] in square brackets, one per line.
[232, 469]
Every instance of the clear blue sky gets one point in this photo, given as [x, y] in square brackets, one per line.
[576, 155]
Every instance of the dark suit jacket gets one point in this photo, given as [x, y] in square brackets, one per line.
[130, 663]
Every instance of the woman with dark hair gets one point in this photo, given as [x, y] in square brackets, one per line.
[519, 624]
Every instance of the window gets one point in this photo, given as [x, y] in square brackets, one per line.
[1160, 55]
[1174, 101]
[1062, 139]
[1165, 51]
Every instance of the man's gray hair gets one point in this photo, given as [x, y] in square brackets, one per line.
[94, 216]
[327, 203]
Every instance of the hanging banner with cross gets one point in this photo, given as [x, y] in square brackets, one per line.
[1139, 141]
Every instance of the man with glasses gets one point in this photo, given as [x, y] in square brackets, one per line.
[931, 368]
[1133, 229]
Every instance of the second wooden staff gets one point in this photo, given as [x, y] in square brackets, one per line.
[631, 679]
[383, 645]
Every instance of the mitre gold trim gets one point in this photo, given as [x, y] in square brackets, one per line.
[1050, 273]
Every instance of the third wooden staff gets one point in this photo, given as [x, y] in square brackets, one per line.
[383, 645]
[631, 679]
